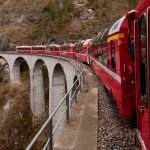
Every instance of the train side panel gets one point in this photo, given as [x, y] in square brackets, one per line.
[110, 80]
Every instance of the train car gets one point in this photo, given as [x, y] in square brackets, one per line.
[142, 72]
[78, 48]
[115, 67]
[53, 49]
[83, 51]
[99, 43]
[67, 50]
[24, 49]
[71, 50]
[39, 49]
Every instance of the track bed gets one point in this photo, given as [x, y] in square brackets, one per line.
[112, 129]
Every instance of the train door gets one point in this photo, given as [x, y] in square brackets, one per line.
[148, 70]
[141, 53]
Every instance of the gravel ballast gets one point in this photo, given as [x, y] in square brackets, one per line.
[113, 131]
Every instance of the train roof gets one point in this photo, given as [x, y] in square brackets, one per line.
[23, 46]
[116, 26]
[79, 43]
[102, 35]
[39, 46]
[71, 44]
[52, 45]
[142, 4]
[87, 42]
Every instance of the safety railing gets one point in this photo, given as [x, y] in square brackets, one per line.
[69, 98]
[76, 64]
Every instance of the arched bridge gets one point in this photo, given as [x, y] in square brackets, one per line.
[61, 73]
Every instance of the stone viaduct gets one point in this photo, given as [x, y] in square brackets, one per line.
[61, 74]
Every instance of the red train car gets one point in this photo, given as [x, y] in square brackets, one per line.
[67, 50]
[83, 50]
[113, 65]
[24, 49]
[142, 72]
[99, 43]
[53, 49]
[39, 49]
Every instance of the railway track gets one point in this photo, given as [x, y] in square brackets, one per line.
[113, 131]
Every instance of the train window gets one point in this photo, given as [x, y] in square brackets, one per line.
[105, 57]
[100, 58]
[65, 47]
[131, 40]
[104, 35]
[143, 60]
[98, 37]
[113, 60]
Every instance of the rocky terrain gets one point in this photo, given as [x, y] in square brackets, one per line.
[29, 22]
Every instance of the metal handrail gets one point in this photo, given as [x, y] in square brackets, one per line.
[49, 143]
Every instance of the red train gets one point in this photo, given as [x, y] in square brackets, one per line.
[119, 55]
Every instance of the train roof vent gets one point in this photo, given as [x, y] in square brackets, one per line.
[116, 27]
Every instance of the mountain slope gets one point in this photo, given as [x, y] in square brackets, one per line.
[44, 21]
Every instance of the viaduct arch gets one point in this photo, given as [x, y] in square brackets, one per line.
[61, 75]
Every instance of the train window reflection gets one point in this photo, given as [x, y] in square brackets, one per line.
[131, 40]
[105, 56]
[113, 60]
[143, 64]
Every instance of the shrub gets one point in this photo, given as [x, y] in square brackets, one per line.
[59, 10]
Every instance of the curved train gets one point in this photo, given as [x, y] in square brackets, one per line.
[120, 57]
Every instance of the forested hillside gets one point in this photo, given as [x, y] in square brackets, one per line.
[59, 21]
